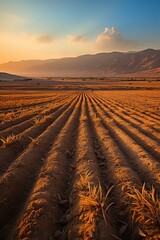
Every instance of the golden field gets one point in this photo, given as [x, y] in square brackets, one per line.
[80, 164]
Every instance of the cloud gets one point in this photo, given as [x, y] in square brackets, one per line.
[15, 47]
[44, 39]
[76, 39]
[41, 39]
[112, 40]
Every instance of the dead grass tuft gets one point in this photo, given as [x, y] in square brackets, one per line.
[38, 121]
[9, 140]
[35, 141]
[93, 204]
[146, 212]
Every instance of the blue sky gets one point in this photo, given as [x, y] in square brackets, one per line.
[56, 28]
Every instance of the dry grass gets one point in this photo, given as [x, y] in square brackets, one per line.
[146, 212]
[9, 140]
[34, 141]
[7, 117]
[96, 200]
[38, 121]
[93, 205]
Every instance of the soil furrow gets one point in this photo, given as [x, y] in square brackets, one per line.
[79, 164]
[20, 176]
[148, 131]
[119, 174]
[9, 153]
[137, 115]
[27, 116]
[41, 103]
[148, 144]
[138, 157]
[88, 220]
[16, 129]
[50, 184]
[145, 127]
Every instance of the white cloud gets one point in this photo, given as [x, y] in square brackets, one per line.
[112, 40]
[76, 39]
[44, 39]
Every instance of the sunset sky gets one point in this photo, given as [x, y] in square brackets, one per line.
[44, 29]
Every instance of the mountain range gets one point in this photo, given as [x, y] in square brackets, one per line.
[146, 62]
[10, 77]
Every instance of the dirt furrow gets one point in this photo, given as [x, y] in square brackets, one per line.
[19, 128]
[148, 131]
[148, 144]
[9, 153]
[38, 220]
[80, 165]
[121, 176]
[6, 125]
[156, 116]
[141, 160]
[145, 127]
[49, 99]
[153, 115]
[146, 115]
[89, 215]
[20, 176]
[26, 116]
[137, 115]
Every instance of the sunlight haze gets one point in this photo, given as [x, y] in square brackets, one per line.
[53, 29]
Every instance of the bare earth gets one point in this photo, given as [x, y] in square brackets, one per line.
[73, 163]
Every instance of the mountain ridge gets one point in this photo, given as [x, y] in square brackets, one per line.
[10, 77]
[100, 64]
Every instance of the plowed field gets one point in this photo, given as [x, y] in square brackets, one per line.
[80, 165]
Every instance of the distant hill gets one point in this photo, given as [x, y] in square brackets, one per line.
[10, 77]
[102, 64]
